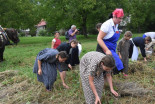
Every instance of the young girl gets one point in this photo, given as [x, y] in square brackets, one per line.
[123, 50]
[92, 66]
[56, 41]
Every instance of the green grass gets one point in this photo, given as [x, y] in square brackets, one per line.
[22, 57]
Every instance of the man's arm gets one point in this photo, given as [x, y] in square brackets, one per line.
[100, 36]
[74, 32]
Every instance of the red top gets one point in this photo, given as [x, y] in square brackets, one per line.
[57, 43]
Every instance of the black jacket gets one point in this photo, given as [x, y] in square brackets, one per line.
[140, 42]
[64, 47]
[73, 56]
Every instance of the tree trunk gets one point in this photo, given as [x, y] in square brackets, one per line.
[84, 21]
[139, 29]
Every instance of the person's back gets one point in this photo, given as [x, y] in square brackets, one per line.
[64, 47]
[139, 41]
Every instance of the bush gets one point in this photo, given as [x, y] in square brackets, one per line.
[21, 34]
[43, 33]
[33, 32]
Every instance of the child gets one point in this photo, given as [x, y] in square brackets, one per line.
[92, 66]
[56, 41]
[123, 50]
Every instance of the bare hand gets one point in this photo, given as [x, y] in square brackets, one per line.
[70, 66]
[65, 86]
[40, 72]
[97, 100]
[115, 93]
[120, 56]
[108, 52]
[76, 30]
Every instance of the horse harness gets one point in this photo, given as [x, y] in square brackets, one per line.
[3, 34]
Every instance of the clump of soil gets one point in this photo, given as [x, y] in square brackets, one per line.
[7, 74]
[131, 89]
[135, 67]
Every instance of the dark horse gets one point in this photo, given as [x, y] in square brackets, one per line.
[5, 37]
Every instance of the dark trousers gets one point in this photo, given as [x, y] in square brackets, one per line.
[131, 49]
[74, 56]
[1, 53]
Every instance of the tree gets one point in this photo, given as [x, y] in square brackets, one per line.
[139, 12]
[85, 14]
[17, 14]
[150, 18]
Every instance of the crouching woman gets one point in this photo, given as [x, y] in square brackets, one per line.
[46, 65]
[92, 66]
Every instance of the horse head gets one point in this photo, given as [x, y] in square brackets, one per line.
[12, 34]
[6, 35]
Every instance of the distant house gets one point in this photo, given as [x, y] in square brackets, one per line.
[24, 32]
[40, 26]
[27, 32]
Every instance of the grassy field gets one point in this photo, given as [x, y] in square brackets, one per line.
[21, 85]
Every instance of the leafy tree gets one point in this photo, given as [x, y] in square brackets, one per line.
[85, 14]
[139, 12]
[150, 16]
[17, 14]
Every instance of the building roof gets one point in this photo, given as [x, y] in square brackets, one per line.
[41, 23]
